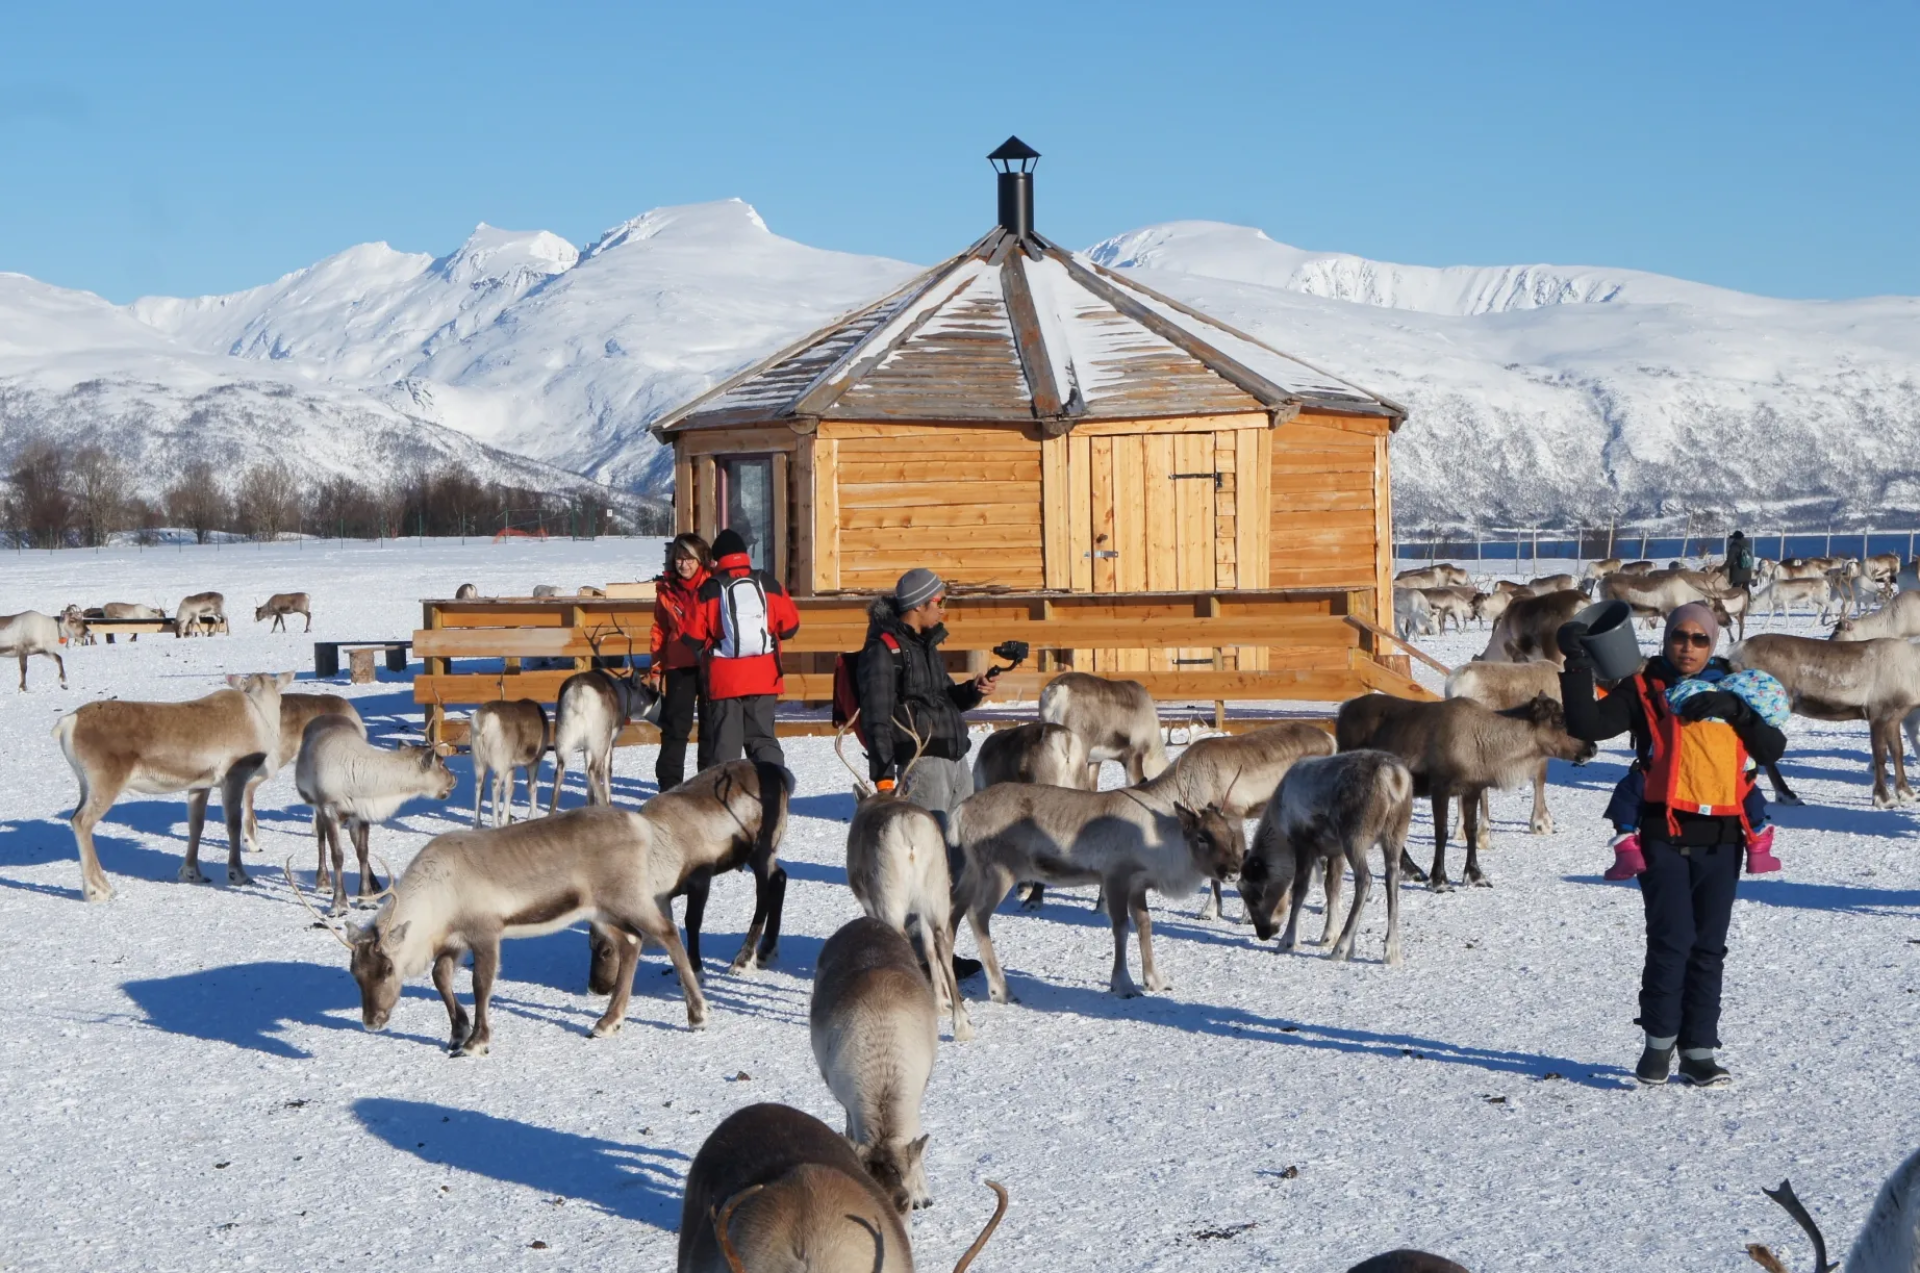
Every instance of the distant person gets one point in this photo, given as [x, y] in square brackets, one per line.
[1740, 561]
[905, 690]
[675, 668]
[743, 616]
[1694, 729]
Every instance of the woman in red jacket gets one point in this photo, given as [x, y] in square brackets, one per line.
[675, 668]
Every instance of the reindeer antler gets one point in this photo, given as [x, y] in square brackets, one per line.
[723, 1219]
[999, 1210]
[287, 867]
[1791, 1204]
[862, 788]
[919, 743]
[392, 879]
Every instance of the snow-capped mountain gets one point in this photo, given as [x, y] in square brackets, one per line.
[1540, 395]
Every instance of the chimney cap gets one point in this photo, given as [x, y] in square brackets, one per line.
[1013, 151]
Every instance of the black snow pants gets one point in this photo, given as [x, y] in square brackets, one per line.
[731, 726]
[680, 692]
[1689, 900]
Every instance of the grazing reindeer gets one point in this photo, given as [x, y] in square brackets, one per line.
[1413, 614]
[593, 708]
[1237, 774]
[282, 604]
[1889, 1242]
[874, 1038]
[31, 633]
[1115, 719]
[1452, 605]
[296, 712]
[1458, 749]
[130, 610]
[503, 737]
[1489, 606]
[726, 818]
[201, 610]
[897, 867]
[467, 890]
[1876, 680]
[1329, 809]
[466, 592]
[1502, 687]
[1434, 576]
[221, 740]
[1128, 841]
[775, 1189]
[351, 783]
[545, 590]
[1526, 631]
[1038, 751]
[73, 621]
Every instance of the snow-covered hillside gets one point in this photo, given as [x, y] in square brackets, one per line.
[1540, 394]
[77, 369]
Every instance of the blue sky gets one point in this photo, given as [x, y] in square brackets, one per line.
[201, 148]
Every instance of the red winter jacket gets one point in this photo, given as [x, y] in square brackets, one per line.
[674, 602]
[753, 674]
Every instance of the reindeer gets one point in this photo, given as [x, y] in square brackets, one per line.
[1784, 592]
[773, 1188]
[874, 1038]
[130, 610]
[1037, 751]
[897, 867]
[1455, 604]
[1553, 583]
[154, 748]
[1458, 749]
[1882, 571]
[1598, 570]
[545, 590]
[1129, 841]
[201, 610]
[729, 817]
[1900, 617]
[592, 708]
[1658, 593]
[1489, 606]
[467, 890]
[282, 604]
[1502, 687]
[73, 622]
[352, 784]
[31, 632]
[1438, 575]
[1407, 1260]
[1876, 680]
[1116, 719]
[1528, 630]
[1327, 809]
[466, 592]
[1413, 614]
[503, 737]
[1889, 1242]
[296, 712]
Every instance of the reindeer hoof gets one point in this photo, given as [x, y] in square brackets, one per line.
[97, 893]
[1542, 827]
[963, 1033]
[191, 875]
[473, 1047]
[1438, 884]
[1481, 881]
[602, 1029]
[236, 876]
[697, 1021]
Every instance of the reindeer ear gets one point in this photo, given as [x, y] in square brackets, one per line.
[285, 679]
[1188, 818]
[916, 1150]
[236, 680]
[395, 935]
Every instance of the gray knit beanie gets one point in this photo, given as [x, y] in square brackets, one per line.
[917, 587]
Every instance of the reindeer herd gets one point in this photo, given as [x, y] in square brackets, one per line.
[771, 1181]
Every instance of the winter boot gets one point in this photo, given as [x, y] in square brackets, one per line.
[1628, 861]
[1655, 1064]
[1760, 859]
[1699, 1069]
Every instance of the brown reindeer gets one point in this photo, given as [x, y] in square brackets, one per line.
[1877, 681]
[282, 604]
[1526, 631]
[1457, 749]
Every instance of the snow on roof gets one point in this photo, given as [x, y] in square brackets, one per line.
[1018, 329]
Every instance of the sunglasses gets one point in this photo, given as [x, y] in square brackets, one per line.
[1698, 640]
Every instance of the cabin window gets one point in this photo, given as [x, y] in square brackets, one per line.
[746, 503]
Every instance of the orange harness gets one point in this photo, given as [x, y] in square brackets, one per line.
[1697, 766]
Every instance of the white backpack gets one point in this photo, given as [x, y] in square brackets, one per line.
[743, 619]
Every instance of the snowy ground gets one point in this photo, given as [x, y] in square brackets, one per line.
[188, 1086]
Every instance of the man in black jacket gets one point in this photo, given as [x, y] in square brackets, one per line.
[905, 690]
[1693, 859]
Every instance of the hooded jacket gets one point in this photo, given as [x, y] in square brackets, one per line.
[674, 601]
[911, 686]
[753, 674]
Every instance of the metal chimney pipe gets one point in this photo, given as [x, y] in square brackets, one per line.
[1016, 202]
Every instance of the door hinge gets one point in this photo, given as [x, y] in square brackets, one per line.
[1217, 477]
[1100, 554]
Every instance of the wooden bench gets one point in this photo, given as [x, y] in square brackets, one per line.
[132, 628]
[326, 657]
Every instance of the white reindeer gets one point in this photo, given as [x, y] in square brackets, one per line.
[503, 737]
[31, 632]
[592, 709]
[1117, 720]
[352, 784]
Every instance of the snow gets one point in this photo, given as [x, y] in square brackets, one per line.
[189, 1086]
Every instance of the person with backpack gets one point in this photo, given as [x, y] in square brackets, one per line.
[1740, 561]
[675, 669]
[1694, 729]
[743, 616]
[905, 690]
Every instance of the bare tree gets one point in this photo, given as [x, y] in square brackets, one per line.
[100, 483]
[268, 500]
[196, 501]
[39, 505]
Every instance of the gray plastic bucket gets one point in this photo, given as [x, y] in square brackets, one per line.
[1610, 639]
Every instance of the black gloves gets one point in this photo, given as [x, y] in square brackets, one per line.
[1719, 704]
[1572, 641]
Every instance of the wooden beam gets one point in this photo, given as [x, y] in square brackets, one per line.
[706, 518]
[1056, 534]
[683, 517]
[1382, 534]
[782, 527]
[1028, 341]
[804, 530]
[1367, 625]
[826, 514]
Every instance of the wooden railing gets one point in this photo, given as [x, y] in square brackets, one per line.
[1303, 645]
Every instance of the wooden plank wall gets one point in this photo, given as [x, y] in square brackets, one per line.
[961, 500]
[1324, 524]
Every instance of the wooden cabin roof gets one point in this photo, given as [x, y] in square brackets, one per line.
[1017, 329]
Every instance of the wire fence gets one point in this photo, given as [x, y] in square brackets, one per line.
[1538, 545]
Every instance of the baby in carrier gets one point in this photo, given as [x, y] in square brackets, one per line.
[1764, 695]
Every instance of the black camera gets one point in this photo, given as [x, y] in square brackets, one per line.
[1015, 652]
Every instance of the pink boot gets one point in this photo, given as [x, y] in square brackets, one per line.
[1760, 859]
[1628, 860]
